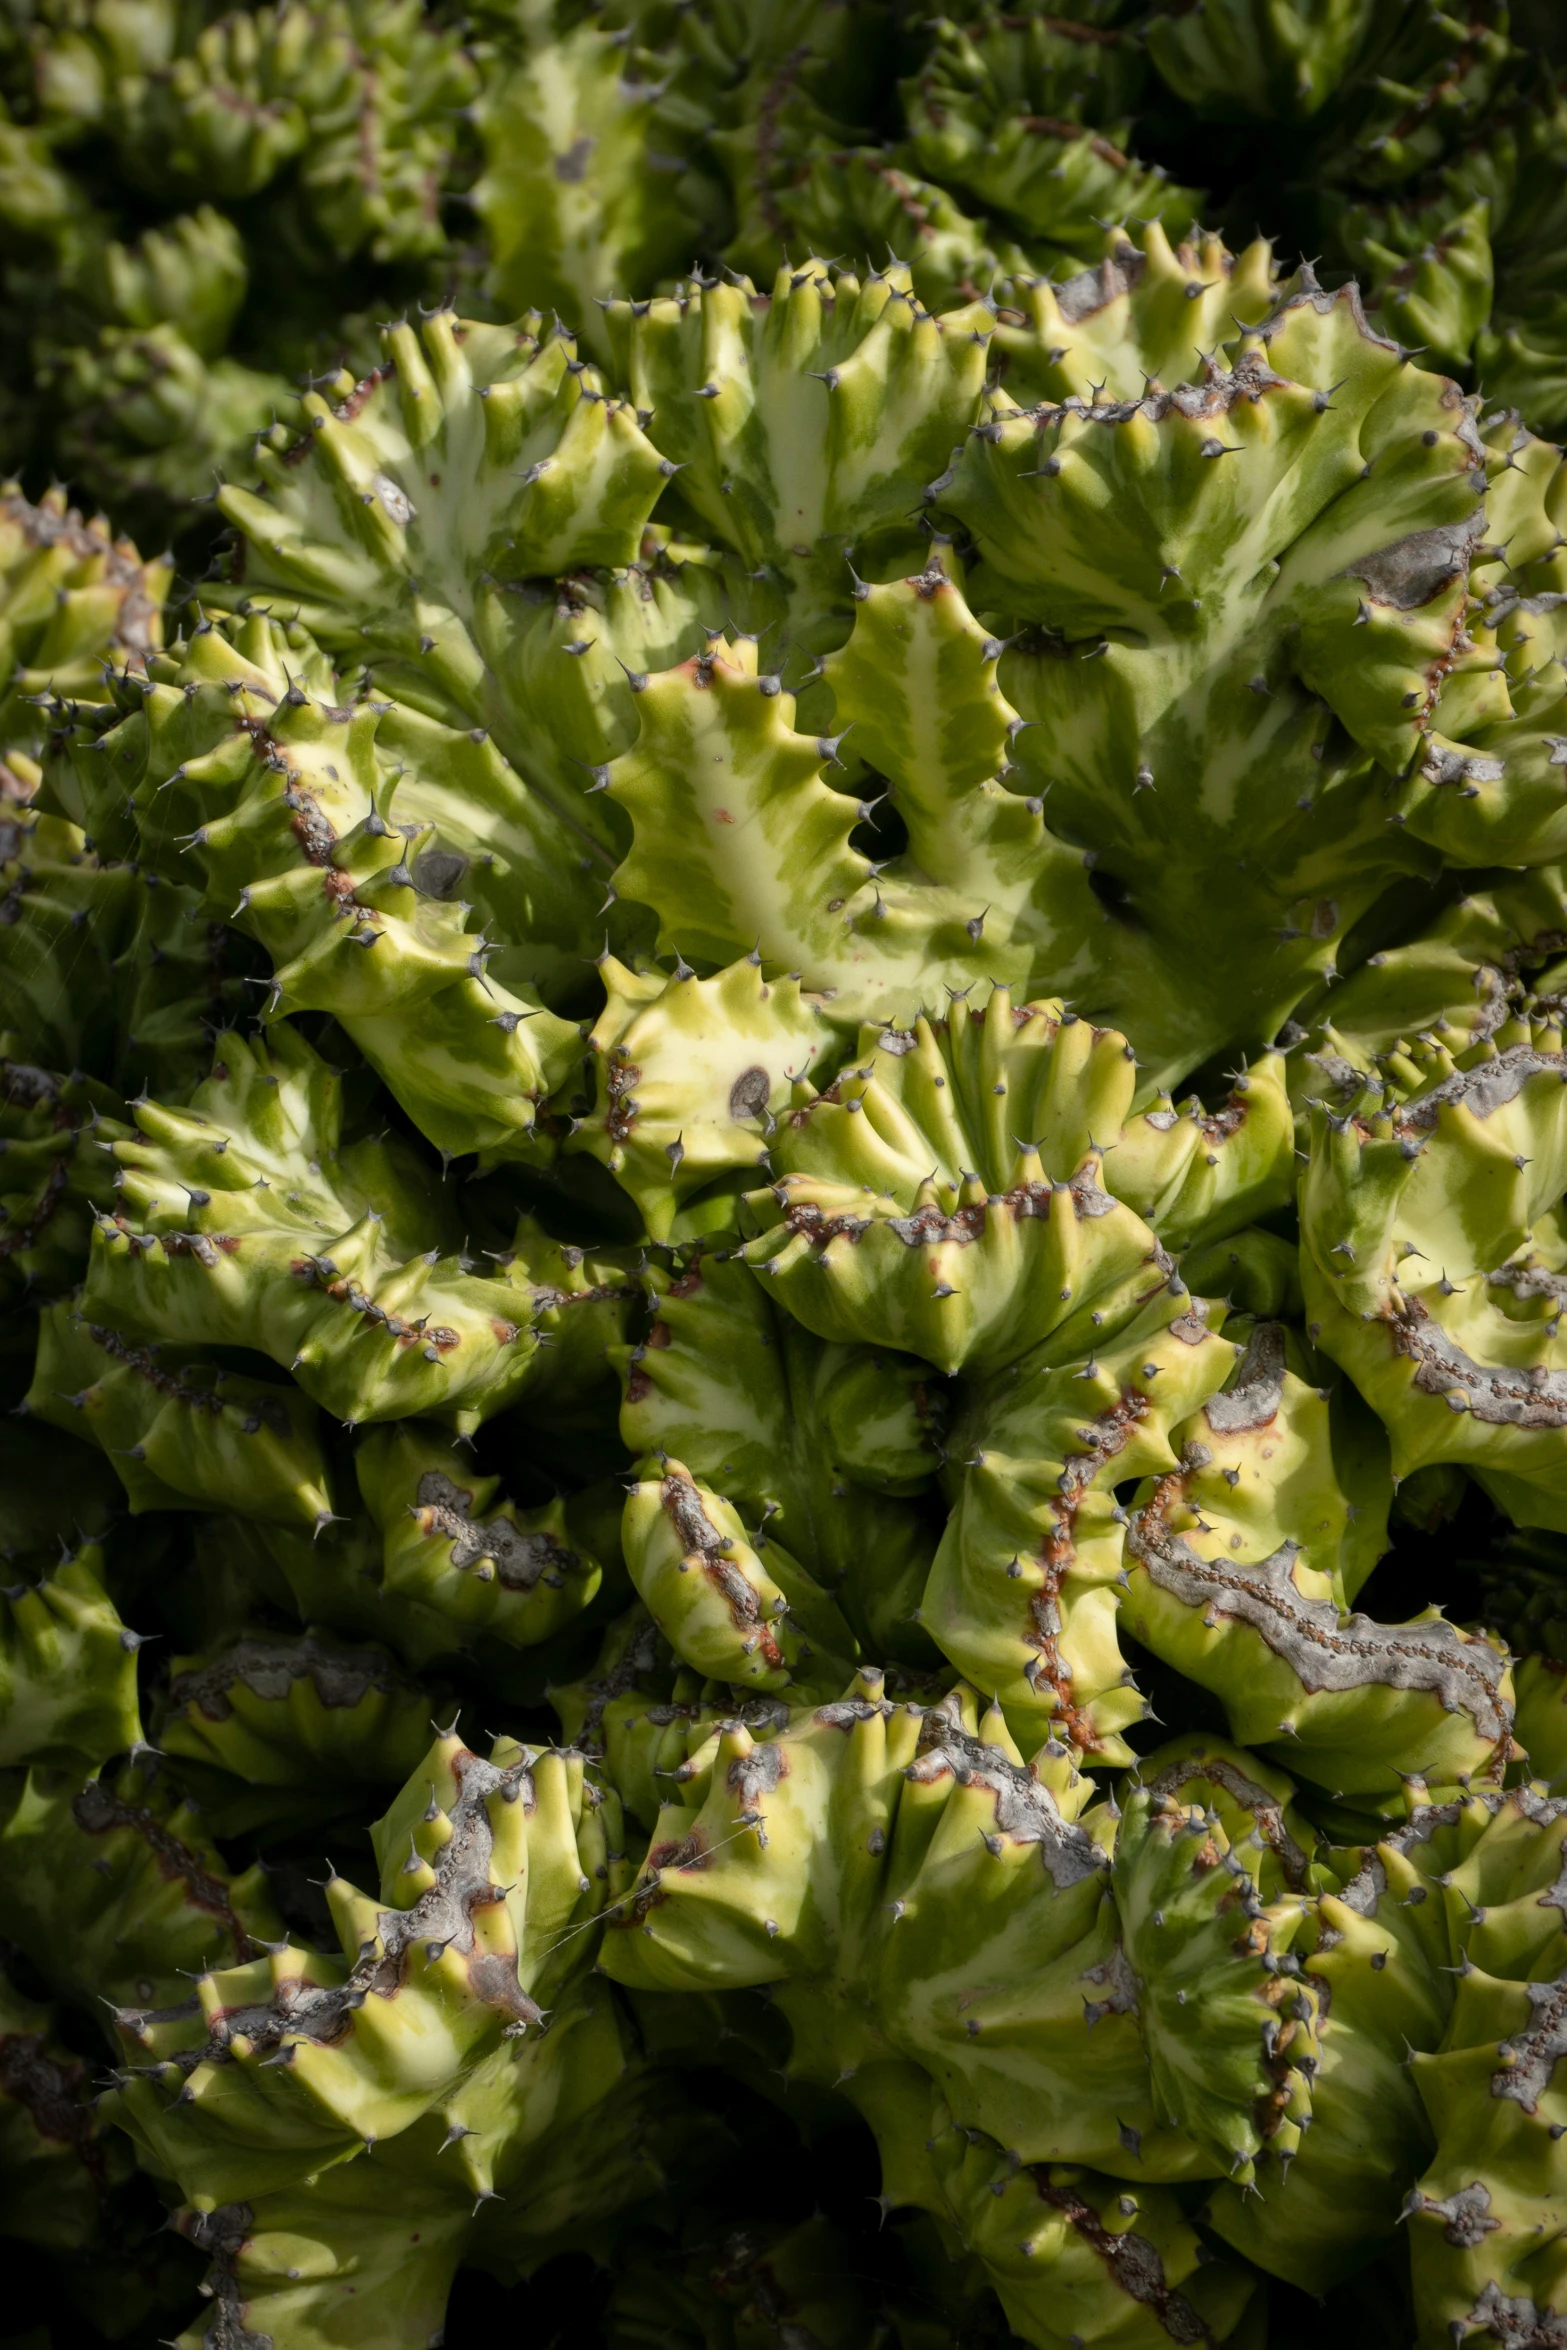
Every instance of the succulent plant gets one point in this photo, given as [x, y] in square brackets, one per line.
[1481, 2217]
[202, 207]
[113, 1868]
[1419, 149]
[70, 1672]
[73, 595]
[189, 1433]
[952, 1428]
[163, 332]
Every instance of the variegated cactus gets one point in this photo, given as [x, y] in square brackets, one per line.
[886, 1213]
